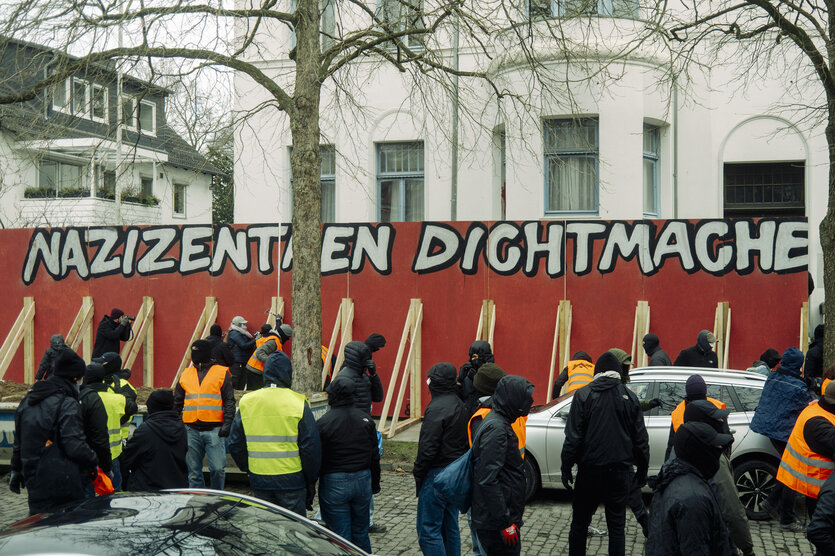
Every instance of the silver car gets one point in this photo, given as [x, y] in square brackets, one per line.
[754, 459]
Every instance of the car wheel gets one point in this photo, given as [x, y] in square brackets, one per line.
[754, 480]
[533, 481]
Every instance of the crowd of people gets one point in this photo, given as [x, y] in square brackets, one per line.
[72, 440]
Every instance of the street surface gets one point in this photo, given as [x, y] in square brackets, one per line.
[547, 520]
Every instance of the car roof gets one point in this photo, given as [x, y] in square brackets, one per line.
[680, 374]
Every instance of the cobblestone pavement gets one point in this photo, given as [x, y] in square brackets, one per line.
[547, 519]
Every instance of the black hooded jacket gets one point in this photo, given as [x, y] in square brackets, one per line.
[685, 518]
[108, 336]
[480, 353]
[155, 456]
[821, 529]
[367, 388]
[443, 433]
[94, 417]
[348, 435]
[50, 411]
[56, 344]
[498, 468]
[814, 355]
[605, 426]
[657, 356]
[699, 355]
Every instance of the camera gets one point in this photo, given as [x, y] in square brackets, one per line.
[130, 318]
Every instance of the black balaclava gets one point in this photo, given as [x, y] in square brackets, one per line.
[691, 449]
[650, 343]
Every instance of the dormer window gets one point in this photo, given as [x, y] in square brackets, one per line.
[140, 115]
[82, 99]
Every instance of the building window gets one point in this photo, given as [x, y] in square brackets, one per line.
[147, 186]
[98, 108]
[765, 189]
[571, 163]
[651, 170]
[81, 98]
[61, 97]
[180, 199]
[400, 182]
[105, 183]
[328, 180]
[62, 178]
[327, 24]
[404, 16]
[542, 9]
[140, 115]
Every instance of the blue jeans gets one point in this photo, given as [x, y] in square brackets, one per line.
[293, 500]
[116, 470]
[345, 499]
[437, 521]
[206, 443]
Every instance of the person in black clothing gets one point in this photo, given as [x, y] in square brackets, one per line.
[221, 352]
[360, 369]
[499, 471]
[242, 345]
[94, 417]
[657, 356]
[113, 329]
[155, 456]
[350, 471]
[56, 344]
[604, 436]
[700, 355]
[443, 437]
[115, 376]
[51, 457]
[685, 517]
[814, 356]
[821, 528]
[480, 353]
[563, 378]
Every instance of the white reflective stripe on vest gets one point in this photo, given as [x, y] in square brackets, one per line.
[821, 464]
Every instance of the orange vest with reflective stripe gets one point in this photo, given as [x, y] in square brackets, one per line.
[518, 427]
[325, 360]
[678, 412]
[801, 469]
[203, 401]
[253, 362]
[580, 373]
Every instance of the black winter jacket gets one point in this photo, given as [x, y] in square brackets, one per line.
[56, 344]
[821, 529]
[498, 469]
[699, 355]
[480, 353]
[443, 433]
[108, 336]
[348, 436]
[155, 456]
[659, 358]
[242, 346]
[221, 352]
[605, 426]
[94, 417]
[227, 394]
[814, 359]
[685, 518]
[367, 388]
[50, 411]
[130, 403]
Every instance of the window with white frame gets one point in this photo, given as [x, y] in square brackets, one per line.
[61, 96]
[541, 9]
[328, 181]
[400, 182]
[327, 22]
[80, 98]
[62, 177]
[404, 16]
[140, 115]
[180, 199]
[98, 103]
[571, 165]
[651, 170]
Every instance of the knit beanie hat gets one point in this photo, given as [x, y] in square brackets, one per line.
[487, 377]
[160, 400]
[695, 387]
[623, 357]
[770, 357]
[607, 362]
[116, 314]
[69, 365]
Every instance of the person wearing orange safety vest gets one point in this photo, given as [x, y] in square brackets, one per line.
[575, 375]
[807, 461]
[205, 398]
[694, 389]
[267, 343]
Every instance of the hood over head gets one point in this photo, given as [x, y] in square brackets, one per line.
[770, 357]
[357, 355]
[340, 392]
[607, 362]
[442, 378]
[56, 341]
[94, 373]
[700, 445]
[54, 384]
[650, 343]
[111, 361]
[703, 340]
[513, 397]
[216, 330]
[375, 342]
[160, 400]
[480, 353]
[792, 361]
[278, 369]
[68, 364]
[581, 356]
[819, 332]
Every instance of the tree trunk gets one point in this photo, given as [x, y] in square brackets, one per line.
[827, 239]
[307, 200]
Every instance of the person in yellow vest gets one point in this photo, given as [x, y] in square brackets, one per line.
[117, 380]
[807, 461]
[575, 375]
[275, 440]
[205, 398]
[694, 389]
[266, 343]
[119, 410]
[94, 417]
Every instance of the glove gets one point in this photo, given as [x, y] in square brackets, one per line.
[567, 479]
[311, 494]
[371, 367]
[654, 402]
[224, 430]
[124, 321]
[640, 478]
[510, 536]
[418, 484]
[15, 481]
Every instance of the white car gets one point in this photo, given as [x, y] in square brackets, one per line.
[754, 459]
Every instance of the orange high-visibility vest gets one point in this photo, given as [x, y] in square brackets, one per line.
[203, 401]
[580, 373]
[801, 469]
[325, 360]
[678, 412]
[518, 427]
[253, 362]
[823, 386]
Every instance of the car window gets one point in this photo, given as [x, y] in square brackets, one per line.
[723, 394]
[641, 389]
[670, 394]
[749, 398]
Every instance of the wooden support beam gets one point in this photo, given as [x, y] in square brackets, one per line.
[276, 308]
[395, 370]
[639, 330]
[721, 329]
[411, 375]
[804, 327]
[565, 333]
[331, 345]
[410, 371]
[81, 330]
[346, 328]
[209, 309]
[29, 341]
[20, 328]
[143, 324]
[554, 352]
[486, 321]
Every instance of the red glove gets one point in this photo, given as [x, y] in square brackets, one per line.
[510, 536]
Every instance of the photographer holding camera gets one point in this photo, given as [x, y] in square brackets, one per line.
[112, 330]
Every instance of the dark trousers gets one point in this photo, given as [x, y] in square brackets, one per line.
[609, 485]
[639, 509]
[782, 497]
[293, 500]
[492, 543]
[238, 372]
[254, 381]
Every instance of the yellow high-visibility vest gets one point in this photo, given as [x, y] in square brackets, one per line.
[270, 417]
[114, 405]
